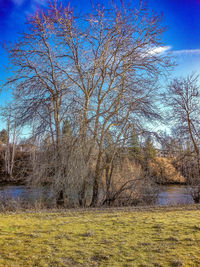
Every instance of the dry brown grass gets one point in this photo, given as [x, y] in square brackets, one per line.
[165, 172]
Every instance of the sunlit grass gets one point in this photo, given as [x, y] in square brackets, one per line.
[121, 237]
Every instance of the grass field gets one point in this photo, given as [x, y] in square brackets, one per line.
[110, 237]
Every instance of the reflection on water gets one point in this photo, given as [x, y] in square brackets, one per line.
[23, 192]
[174, 194]
[169, 195]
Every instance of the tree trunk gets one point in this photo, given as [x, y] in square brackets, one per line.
[96, 182]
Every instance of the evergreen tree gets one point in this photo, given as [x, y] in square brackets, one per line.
[66, 129]
[3, 136]
[135, 149]
[47, 140]
[149, 150]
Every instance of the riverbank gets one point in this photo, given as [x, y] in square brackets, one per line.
[102, 237]
[162, 169]
[5, 180]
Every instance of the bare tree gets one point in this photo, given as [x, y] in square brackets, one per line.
[10, 140]
[40, 88]
[183, 98]
[113, 60]
[99, 70]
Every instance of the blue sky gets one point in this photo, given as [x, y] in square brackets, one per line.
[182, 17]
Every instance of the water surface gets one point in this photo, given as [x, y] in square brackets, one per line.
[174, 195]
[169, 195]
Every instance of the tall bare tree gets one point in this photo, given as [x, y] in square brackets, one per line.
[100, 69]
[114, 66]
[39, 86]
[183, 97]
[9, 138]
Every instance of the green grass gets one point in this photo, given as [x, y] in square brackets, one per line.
[120, 237]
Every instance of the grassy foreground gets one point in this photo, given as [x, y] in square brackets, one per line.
[120, 237]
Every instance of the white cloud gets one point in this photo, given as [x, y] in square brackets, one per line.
[187, 52]
[163, 49]
[158, 50]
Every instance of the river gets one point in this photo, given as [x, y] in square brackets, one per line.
[169, 194]
[174, 195]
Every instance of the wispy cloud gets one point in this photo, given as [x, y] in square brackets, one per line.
[13, 14]
[39, 2]
[31, 2]
[18, 2]
[186, 52]
[29, 5]
[35, 4]
[158, 50]
[164, 49]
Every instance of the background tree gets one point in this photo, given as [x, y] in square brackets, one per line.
[3, 136]
[9, 138]
[149, 150]
[135, 147]
[183, 98]
[66, 130]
